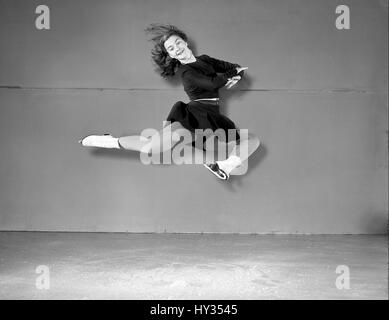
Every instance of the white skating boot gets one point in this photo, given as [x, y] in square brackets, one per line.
[100, 141]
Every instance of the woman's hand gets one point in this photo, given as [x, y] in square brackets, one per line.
[232, 81]
[239, 69]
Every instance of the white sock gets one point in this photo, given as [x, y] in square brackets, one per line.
[109, 142]
[116, 143]
[229, 164]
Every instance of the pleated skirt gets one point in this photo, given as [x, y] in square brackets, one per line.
[203, 115]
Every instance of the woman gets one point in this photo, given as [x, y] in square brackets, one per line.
[201, 82]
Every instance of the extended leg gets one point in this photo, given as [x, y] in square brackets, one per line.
[162, 140]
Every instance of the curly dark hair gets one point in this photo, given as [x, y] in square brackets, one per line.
[160, 33]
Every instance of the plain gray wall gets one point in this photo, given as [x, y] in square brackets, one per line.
[316, 96]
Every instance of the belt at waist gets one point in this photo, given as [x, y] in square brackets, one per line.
[213, 101]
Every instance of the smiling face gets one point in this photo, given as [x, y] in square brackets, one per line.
[178, 49]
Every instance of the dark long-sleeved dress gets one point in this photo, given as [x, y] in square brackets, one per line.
[203, 79]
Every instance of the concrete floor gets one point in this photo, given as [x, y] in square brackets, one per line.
[191, 266]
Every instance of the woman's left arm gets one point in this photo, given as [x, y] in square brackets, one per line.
[222, 66]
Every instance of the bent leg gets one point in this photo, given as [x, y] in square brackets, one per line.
[246, 147]
[239, 154]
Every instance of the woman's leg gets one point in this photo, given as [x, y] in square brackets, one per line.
[240, 153]
[250, 144]
[160, 141]
[135, 143]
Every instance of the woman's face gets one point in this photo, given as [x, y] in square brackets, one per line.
[177, 48]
